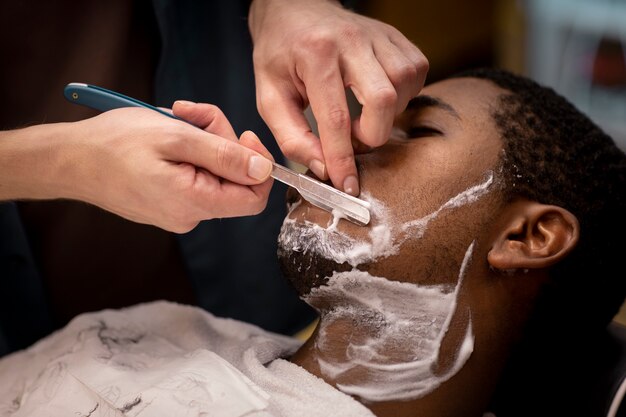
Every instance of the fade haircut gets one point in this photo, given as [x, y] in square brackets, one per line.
[554, 154]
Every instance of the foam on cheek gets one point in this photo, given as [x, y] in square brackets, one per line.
[401, 328]
[328, 242]
[417, 227]
[337, 214]
[384, 238]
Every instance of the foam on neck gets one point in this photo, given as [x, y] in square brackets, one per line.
[397, 342]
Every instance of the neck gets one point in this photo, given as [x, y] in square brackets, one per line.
[387, 343]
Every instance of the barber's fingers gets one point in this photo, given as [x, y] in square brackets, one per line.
[405, 67]
[205, 116]
[222, 198]
[327, 96]
[377, 95]
[281, 106]
[222, 157]
[415, 57]
[384, 79]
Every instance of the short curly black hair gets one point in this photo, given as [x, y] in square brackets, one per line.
[554, 154]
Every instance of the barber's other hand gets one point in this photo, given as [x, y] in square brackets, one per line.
[152, 169]
[308, 52]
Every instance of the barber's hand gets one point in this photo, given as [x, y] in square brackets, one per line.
[308, 52]
[152, 169]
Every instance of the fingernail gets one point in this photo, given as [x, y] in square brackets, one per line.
[185, 102]
[259, 168]
[318, 168]
[351, 185]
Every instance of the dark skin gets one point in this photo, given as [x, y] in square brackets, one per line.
[442, 146]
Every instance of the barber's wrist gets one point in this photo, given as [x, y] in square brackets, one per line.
[259, 8]
[35, 162]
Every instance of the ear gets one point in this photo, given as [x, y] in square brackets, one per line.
[533, 236]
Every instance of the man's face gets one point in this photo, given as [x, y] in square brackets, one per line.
[432, 189]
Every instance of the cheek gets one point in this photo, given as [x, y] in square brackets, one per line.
[413, 179]
[432, 259]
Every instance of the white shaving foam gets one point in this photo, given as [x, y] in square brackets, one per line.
[468, 196]
[397, 344]
[384, 239]
[401, 325]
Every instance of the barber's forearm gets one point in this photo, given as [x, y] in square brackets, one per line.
[36, 162]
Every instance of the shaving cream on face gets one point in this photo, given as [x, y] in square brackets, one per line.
[402, 326]
[385, 238]
[380, 339]
[329, 243]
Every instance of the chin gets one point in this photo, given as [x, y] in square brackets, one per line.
[299, 260]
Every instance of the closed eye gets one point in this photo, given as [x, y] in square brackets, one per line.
[422, 131]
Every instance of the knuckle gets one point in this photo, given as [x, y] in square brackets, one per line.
[213, 113]
[320, 43]
[258, 205]
[376, 141]
[338, 119]
[256, 208]
[342, 162]
[226, 156]
[404, 74]
[267, 100]
[180, 229]
[422, 66]
[421, 63]
[291, 149]
[172, 140]
[384, 97]
[262, 104]
[178, 223]
[351, 32]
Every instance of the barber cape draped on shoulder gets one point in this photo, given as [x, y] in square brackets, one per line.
[164, 359]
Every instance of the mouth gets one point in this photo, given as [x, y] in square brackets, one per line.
[303, 255]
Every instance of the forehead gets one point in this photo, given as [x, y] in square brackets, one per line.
[469, 96]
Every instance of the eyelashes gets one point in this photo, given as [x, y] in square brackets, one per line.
[415, 132]
[422, 131]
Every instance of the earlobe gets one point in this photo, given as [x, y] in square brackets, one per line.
[533, 236]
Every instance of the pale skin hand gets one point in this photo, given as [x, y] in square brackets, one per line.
[141, 165]
[309, 52]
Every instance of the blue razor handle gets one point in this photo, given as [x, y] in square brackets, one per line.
[99, 98]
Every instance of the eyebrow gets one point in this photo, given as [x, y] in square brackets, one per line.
[424, 101]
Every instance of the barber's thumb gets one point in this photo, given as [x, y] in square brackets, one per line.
[259, 166]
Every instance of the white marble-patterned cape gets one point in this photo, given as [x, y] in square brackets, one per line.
[164, 359]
